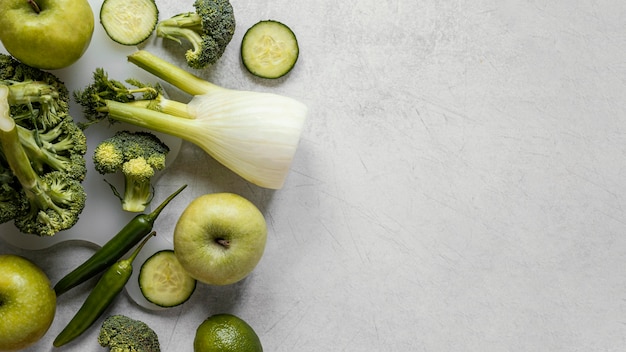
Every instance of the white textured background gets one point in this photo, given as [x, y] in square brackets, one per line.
[459, 185]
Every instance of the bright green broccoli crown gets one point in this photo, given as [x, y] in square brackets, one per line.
[138, 155]
[123, 334]
[41, 151]
[138, 168]
[111, 154]
[209, 30]
[55, 205]
[108, 157]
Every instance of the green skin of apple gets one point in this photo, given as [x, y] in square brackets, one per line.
[53, 38]
[220, 238]
[27, 303]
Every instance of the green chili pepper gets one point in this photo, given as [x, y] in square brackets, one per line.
[106, 290]
[114, 249]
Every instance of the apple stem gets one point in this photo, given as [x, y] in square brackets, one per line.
[223, 242]
[34, 5]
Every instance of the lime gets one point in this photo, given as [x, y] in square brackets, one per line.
[226, 333]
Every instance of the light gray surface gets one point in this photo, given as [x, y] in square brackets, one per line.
[459, 185]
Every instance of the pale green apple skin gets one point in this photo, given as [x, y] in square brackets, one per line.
[53, 39]
[220, 215]
[27, 303]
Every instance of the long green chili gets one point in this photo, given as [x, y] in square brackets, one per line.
[106, 290]
[136, 229]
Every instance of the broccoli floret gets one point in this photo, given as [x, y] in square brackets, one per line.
[54, 205]
[122, 334]
[42, 151]
[138, 155]
[209, 29]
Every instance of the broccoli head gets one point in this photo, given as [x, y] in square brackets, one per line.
[42, 151]
[53, 205]
[123, 334]
[209, 29]
[137, 155]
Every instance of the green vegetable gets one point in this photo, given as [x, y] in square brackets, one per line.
[253, 134]
[100, 298]
[129, 22]
[122, 334]
[269, 49]
[163, 281]
[42, 151]
[114, 249]
[138, 155]
[209, 29]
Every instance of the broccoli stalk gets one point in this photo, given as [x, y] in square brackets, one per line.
[138, 155]
[209, 29]
[253, 134]
[55, 200]
[122, 334]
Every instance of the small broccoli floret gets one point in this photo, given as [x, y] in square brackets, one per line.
[42, 151]
[138, 155]
[122, 334]
[209, 29]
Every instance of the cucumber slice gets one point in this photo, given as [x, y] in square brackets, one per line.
[269, 49]
[163, 281]
[129, 22]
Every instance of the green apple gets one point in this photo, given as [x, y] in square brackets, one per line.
[47, 34]
[220, 238]
[27, 303]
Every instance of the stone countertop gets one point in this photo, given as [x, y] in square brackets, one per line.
[458, 185]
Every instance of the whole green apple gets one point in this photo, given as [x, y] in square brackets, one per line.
[46, 34]
[220, 238]
[27, 303]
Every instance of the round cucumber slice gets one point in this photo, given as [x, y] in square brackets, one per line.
[163, 281]
[129, 22]
[269, 49]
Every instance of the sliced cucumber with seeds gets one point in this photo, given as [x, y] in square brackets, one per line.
[129, 22]
[269, 49]
[163, 281]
